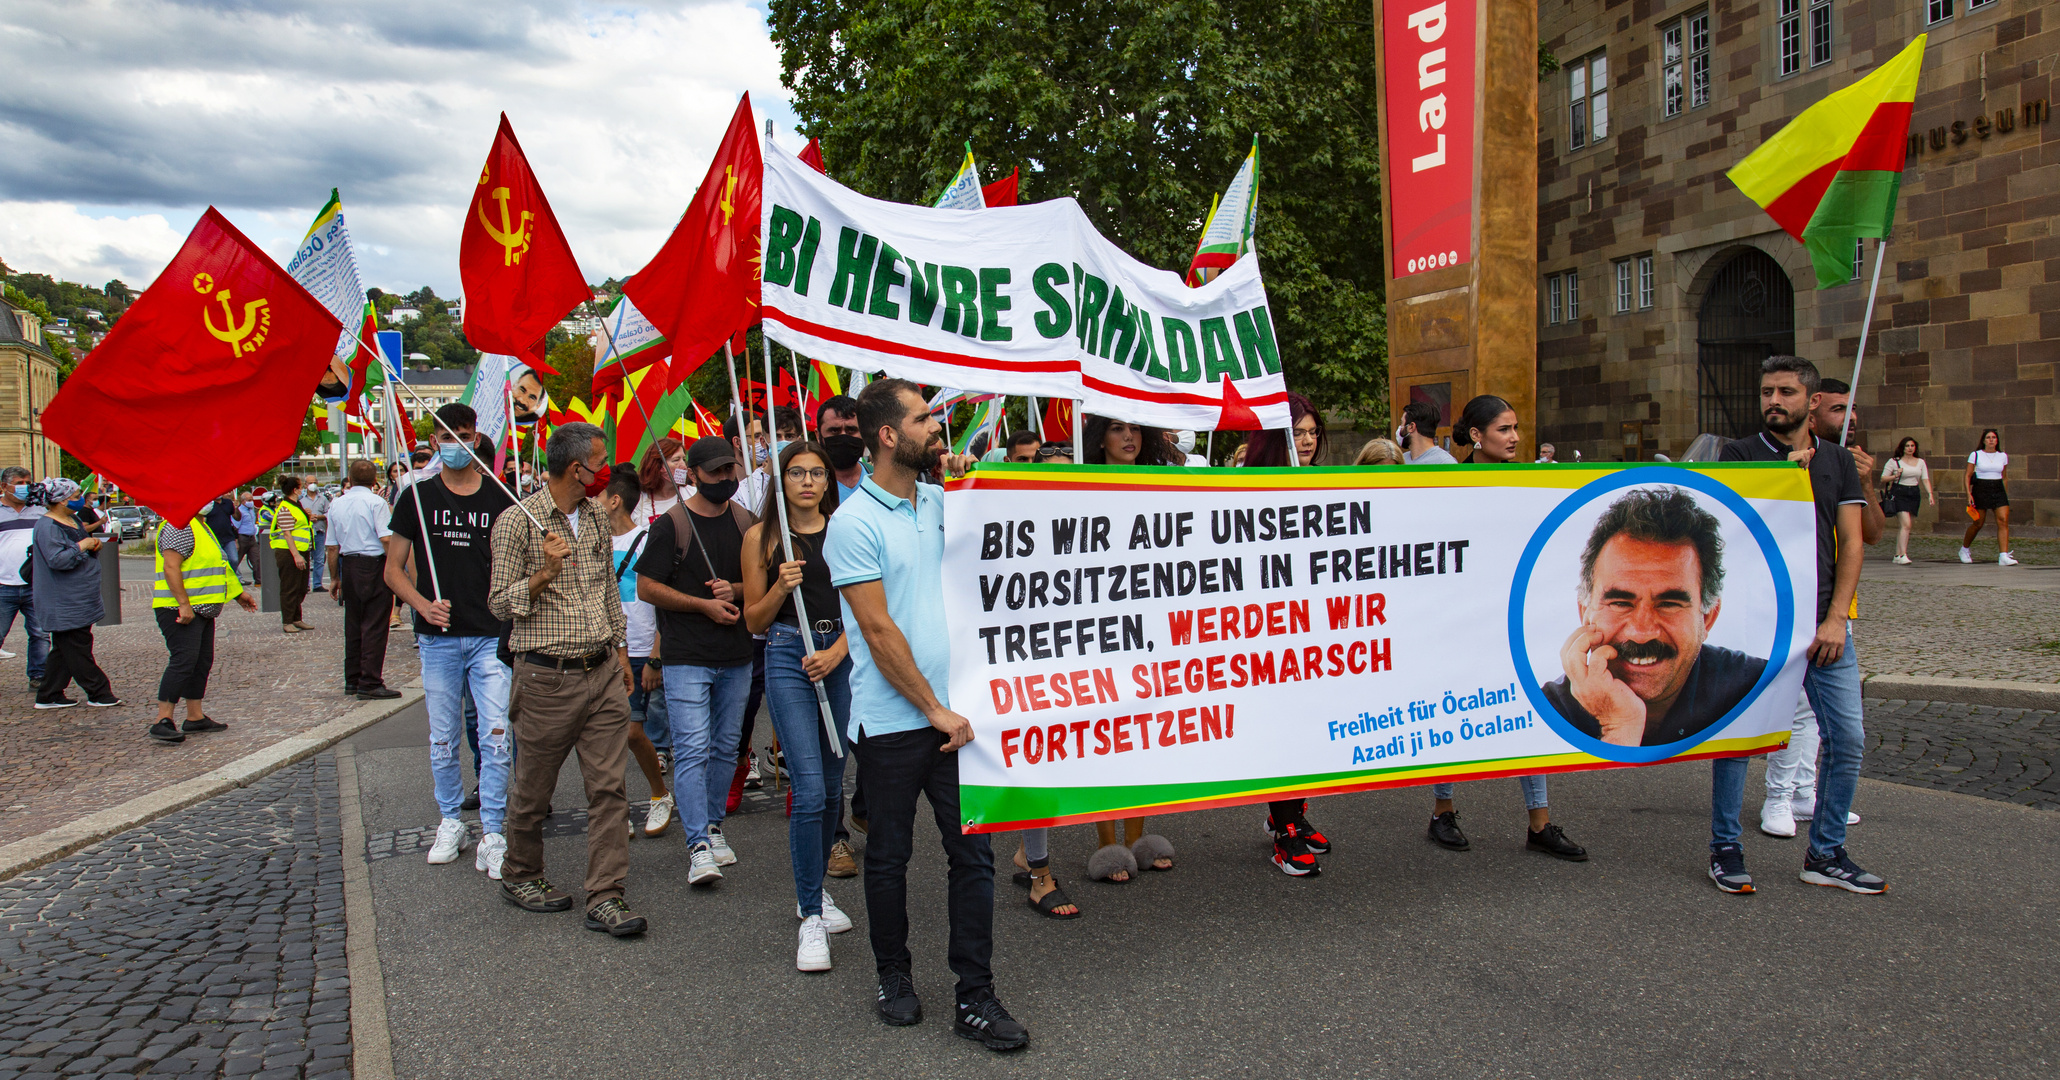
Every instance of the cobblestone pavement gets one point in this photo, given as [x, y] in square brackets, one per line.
[2004, 754]
[267, 686]
[207, 943]
[1958, 631]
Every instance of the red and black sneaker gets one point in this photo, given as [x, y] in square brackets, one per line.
[1318, 843]
[1291, 853]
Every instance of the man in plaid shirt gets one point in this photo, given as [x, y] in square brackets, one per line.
[571, 688]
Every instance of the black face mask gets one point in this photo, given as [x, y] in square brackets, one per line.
[844, 450]
[718, 492]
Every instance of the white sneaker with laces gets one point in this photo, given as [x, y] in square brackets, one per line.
[701, 868]
[659, 817]
[833, 916]
[720, 847]
[2006, 559]
[488, 856]
[1902, 560]
[5, 655]
[814, 951]
[450, 839]
[1777, 818]
[1966, 554]
[1804, 811]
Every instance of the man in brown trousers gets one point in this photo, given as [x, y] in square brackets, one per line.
[571, 686]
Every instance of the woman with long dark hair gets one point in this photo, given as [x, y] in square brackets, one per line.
[1269, 448]
[1120, 442]
[1488, 428]
[1904, 474]
[1986, 468]
[774, 572]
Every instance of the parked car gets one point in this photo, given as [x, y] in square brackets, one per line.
[130, 521]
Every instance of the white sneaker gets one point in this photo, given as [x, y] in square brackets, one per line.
[1777, 818]
[1803, 809]
[2006, 559]
[488, 856]
[1902, 560]
[814, 951]
[833, 916]
[720, 847]
[450, 839]
[5, 655]
[1966, 554]
[1851, 818]
[701, 868]
[659, 817]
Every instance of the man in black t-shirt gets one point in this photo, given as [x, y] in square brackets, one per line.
[459, 638]
[1788, 387]
[695, 581]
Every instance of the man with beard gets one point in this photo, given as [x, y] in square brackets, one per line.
[886, 554]
[1637, 670]
[528, 390]
[1832, 679]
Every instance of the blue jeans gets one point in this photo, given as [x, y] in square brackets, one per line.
[648, 708]
[1534, 791]
[22, 598]
[705, 706]
[815, 766]
[1834, 693]
[451, 666]
[316, 560]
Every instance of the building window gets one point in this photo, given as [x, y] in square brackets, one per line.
[1685, 62]
[1790, 38]
[1820, 32]
[1623, 269]
[1634, 284]
[1553, 302]
[1937, 11]
[1563, 297]
[1645, 290]
[1588, 104]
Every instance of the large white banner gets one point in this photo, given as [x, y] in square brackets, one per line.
[327, 268]
[1131, 640]
[1013, 300]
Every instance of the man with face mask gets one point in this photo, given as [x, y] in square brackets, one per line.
[18, 514]
[457, 634]
[836, 425]
[692, 571]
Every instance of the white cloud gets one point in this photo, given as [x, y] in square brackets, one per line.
[149, 111]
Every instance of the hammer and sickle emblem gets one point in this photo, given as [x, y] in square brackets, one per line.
[727, 204]
[235, 333]
[203, 283]
[513, 235]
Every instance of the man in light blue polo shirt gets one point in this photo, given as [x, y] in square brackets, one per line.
[886, 556]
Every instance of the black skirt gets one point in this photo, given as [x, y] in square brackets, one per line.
[1989, 495]
[1902, 499]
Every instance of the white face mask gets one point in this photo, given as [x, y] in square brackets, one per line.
[679, 477]
[1185, 440]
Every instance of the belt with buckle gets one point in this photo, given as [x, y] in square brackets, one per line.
[829, 626]
[569, 663]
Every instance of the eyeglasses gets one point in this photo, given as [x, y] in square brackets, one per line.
[798, 474]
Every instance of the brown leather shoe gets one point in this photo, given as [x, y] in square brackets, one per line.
[841, 862]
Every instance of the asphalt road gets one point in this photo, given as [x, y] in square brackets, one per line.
[1401, 960]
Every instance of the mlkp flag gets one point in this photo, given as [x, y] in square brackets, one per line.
[513, 259]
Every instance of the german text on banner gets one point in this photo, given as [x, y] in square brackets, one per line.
[1143, 640]
[1011, 300]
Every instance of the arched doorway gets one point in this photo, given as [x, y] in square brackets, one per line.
[1748, 314]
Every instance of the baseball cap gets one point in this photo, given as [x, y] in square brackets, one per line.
[711, 453]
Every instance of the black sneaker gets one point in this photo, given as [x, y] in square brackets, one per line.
[614, 917]
[1553, 842]
[536, 894]
[1293, 855]
[984, 1019]
[1317, 843]
[1727, 869]
[898, 1004]
[471, 801]
[377, 693]
[1843, 873]
[60, 703]
[166, 731]
[1445, 833]
[204, 724]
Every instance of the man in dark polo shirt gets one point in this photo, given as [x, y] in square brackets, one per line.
[1788, 385]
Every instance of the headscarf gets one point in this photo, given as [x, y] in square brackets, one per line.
[57, 489]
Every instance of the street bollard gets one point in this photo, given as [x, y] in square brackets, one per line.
[268, 592]
[111, 581]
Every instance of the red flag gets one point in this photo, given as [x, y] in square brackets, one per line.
[702, 286]
[205, 381]
[812, 156]
[1003, 191]
[1058, 420]
[368, 330]
[517, 270]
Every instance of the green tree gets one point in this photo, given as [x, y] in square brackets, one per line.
[1142, 111]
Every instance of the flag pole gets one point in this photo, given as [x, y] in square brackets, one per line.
[613, 353]
[421, 520]
[779, 503]
[1866, 321]
[800, 391]
[729, 359]
[1079, 430]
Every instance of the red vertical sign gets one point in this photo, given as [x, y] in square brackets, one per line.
[1427, 81]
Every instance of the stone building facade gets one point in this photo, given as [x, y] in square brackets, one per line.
[1662, 286]
[28, 380]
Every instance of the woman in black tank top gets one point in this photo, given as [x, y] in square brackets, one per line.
[774, 574]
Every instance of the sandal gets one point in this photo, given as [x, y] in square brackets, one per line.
[1149, 849]
[1113, 859]
[1056, 898]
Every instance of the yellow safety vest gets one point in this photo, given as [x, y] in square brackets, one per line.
[302, 529]
[205, 573]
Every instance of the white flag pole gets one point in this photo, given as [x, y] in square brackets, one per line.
[1866, 321]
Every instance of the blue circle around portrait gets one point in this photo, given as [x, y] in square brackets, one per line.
[1643, 476]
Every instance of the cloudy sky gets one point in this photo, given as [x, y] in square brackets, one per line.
[121, 121]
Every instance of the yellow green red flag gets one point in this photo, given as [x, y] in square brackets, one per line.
[1832, 175]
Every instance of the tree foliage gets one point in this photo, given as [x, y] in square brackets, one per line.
[434, 332]
[1142, 111]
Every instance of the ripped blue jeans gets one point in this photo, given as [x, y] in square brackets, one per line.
[450, 666]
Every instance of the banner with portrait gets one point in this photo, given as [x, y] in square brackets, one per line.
[1148, 640]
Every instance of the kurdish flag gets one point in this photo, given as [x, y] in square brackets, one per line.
[964, 192]
[1233, 218]
[1832, 175]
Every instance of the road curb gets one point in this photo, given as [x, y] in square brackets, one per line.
[1999, 693]
[27, 854]
[371, 1039]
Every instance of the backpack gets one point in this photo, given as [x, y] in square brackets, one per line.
[684, 535]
